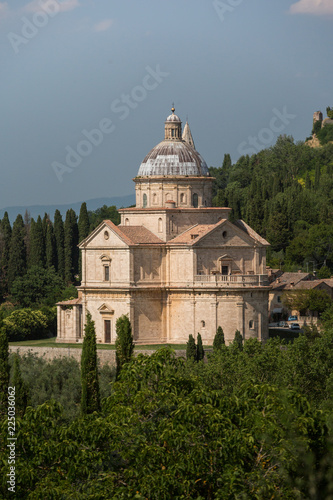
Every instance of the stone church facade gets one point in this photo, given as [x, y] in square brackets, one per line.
[175, 265]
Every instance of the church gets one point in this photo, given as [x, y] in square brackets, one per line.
[175, 264]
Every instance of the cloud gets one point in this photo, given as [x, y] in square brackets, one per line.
[315, 7]
[103, 25]
[4, 9]
[63, 6]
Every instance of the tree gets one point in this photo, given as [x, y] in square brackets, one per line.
[25, 324]
[59, 240]
[238, 340]
[83, 224]
[218, 340]
[71, 250]
[21, 391]
[329, 112]
[51, 255]
[4, 368]
[5, 237]
[307, 300]
[38, 286]
[37, 244]
[191, 349]
[124, 342]
[17, 264]
[200, 354]
[90, 398]
[324, 272]
[83, 227]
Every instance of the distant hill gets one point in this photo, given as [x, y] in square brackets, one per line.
[35, 210]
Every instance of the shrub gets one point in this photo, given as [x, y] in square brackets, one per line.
[25, 324]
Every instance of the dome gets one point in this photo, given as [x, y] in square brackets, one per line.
[173, 118]
[173, 158]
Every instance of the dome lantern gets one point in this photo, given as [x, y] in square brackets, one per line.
[173, 127]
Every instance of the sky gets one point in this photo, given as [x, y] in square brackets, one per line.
[86, 86]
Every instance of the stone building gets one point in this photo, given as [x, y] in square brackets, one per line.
[175, 265]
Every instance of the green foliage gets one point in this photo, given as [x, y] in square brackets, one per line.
[38, 287]
[325, 135]
[25, 324]
[200, 354]
[103, 213]
[124, 342]
[90, 398]
[21, 391]
[17, 255]
[5, 237]
[248, 424]
[191, 349]
[4, 368]
[50, 247]
[71, 240]
[60, 243]
[324, 272]
[219, 341]
[307, 300]
[238, 340]
[329, 112]
[83, 224]
[37, 244]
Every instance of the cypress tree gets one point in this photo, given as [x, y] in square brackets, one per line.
[51, 257]
[83, 222]
[4, 368]
[37, 245]
[238, 340]
[200, 350]
[21, 392]
[45, 223]
[191, 348]
[124, 342]
[5, 237]
[83, 227]
[60, 243]
[219, 341]
[90, 398]
[17, 264]
[71, 249]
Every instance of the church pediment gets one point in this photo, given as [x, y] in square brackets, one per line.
[105, 309]
[106, 235]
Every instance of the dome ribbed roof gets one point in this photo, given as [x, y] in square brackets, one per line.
[173, 118]
[173, 158]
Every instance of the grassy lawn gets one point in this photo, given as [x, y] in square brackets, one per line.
[52, 343]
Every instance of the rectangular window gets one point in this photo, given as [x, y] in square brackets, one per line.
[107, 331]
[106, 273]
[279, 298]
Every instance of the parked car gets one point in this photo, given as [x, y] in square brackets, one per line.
[283, 324]
[292, 318]
[294, 326]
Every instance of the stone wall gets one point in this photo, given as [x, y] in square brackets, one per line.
[105, 356]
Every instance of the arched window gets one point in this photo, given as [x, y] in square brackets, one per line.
[203, 324]
[144, 201]
[195, 200]
[182, 198]
[160, 225]
[126, 222]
